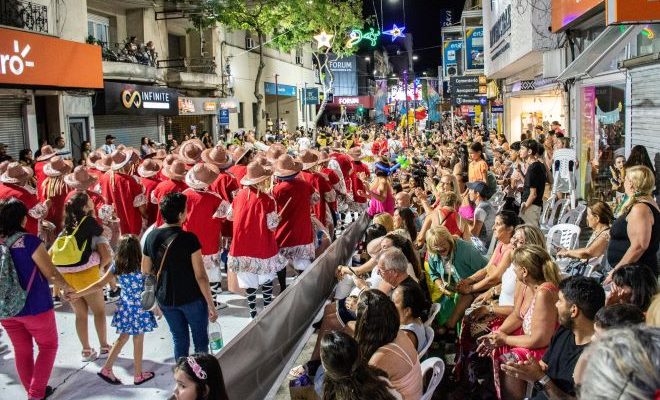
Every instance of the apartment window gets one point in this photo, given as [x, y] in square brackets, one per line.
[299, 56]
[241, 115]
[98, 27]
[176, 46]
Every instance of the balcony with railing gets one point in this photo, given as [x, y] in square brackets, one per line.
[191, 73]
[130, 61]
[28, 15]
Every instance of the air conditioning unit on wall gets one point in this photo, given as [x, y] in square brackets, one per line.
[452, 70]
[554, 62]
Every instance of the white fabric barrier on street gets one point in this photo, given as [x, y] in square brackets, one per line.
[251, 363]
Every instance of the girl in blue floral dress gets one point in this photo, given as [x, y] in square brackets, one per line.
[129, 319]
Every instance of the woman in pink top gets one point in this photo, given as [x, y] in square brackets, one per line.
[385, 346]
[531, 325]
[380, 192]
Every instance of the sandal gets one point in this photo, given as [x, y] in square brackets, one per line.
[104, 351]
[108, 376]
[89, 355]
[144, 377]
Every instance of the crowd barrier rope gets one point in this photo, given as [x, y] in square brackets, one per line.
[252, 362]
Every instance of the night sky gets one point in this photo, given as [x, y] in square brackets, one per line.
[422, 19]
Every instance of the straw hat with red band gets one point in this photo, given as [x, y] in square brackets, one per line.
[255, 173]
[104, 163]
[92, 158]
[80, 179]
[240, 152]
[160, 154]
[16, 174]
[275, 151]
[3, 166]
[217, 156]
[324, 157]
[201, 176]
[57, 167]
[355, 153]
[120, 158]
[309, 159]
[47, 152]
[286, 166]
[148, 168]
[176, 170]
[191, 151]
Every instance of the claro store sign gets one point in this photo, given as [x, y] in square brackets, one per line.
[29, 59]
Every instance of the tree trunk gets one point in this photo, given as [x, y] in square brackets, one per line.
[326, 88]
[257, 87]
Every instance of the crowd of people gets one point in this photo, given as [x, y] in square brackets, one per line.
[520, 314]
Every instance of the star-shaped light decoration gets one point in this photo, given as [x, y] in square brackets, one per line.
[323, 39]
[396, 32]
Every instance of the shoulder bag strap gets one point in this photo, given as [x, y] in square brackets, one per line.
[162, 260]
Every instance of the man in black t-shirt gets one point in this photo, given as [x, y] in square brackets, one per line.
[580, 298]
[534, 186]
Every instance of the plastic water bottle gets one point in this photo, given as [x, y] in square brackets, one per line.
[215, 336]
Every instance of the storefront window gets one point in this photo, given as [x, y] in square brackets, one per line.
[602, 139]
[648, 41]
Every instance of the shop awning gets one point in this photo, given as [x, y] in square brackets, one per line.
[601, 51]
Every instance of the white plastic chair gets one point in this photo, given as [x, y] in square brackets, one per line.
[557, 209]
[435, 309]
[565, 166]
[568, 237]
[430, 335]
[438, 367]
[574, 216]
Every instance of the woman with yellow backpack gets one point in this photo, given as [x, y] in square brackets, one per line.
[80, 253]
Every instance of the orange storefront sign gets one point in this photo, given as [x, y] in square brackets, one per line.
[39, 60]
[564, 12]
[632, 11]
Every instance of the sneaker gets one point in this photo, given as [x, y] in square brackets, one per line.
[113, 295]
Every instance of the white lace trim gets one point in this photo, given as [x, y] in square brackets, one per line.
[259, 266]
[330, 196]
[153, 198]
[106, 212]
[140, 200]
[223, 209]
[316, 197]
[230, 213]
[300, 252]
[272, 220]
[39, 211]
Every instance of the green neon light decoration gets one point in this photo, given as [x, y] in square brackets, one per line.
[356, 36]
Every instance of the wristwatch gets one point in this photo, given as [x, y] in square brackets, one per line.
[540, 384]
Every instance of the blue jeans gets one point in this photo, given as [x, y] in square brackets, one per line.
[179, 318]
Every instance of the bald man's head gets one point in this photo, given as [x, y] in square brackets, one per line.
[403, 200]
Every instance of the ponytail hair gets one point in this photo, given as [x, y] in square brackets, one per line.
[538, 263]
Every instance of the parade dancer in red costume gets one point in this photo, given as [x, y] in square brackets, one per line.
[205, 211]
[55, 190]
[148, 172]
[124, 192]
[255, 221]
[175, 173]
[226, 186]
[15, 180]
[295, 235]
[47, 152]
[242, 156]
[359, 174]
[320, 182]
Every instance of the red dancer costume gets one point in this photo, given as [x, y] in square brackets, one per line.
[14, 184]
[55, 190]
[294, 195]
[148, 173]
[175, 174]
[125, 193]
[255, 221]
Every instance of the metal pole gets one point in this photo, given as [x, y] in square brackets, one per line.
[415, 105]
[277, 107]
[451, 130]
[305, 107]
[405, 90]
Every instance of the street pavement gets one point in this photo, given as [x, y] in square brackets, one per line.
[76, 380]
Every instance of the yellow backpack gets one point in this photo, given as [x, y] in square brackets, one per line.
[65, 250]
